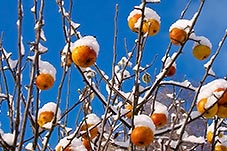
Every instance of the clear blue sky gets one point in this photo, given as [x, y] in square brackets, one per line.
[96, 18]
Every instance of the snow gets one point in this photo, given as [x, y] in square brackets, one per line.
[183, 24]
[168, 61]
[8, 138]
[42, 48]
[148, 14]
[144, 120]
[201, 40]
[33, 9]
[89, 41]
[75, 25]
[92, 119]
[75, 145]
[12, 63]
[194, 139]
[124, 61]
[153, 1]
[22, 47]
[208, 90]
[42, 35]
[5, 54]
[160, 108]
[47, 68]
[29, 147]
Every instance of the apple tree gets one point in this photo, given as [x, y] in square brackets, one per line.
[142, 103]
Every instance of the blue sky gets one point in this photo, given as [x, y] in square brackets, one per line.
[96, 18]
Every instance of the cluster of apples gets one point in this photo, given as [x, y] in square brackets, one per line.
[212, 99]
[88, 130]
[144, 126]
[179, 33]
[150, 21]
[46, 77]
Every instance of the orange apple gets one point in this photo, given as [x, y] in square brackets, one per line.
[201, 52]
[223, 99]
[177, 36]
[84, 56]
[159, 119]
[44, 81]
[208, 113]
[151, 26]
[142, 136]
[132, 21]
[220, 147]
[86, 144]
[222, 111]
[129, 108]
[93, 132]
[45, 117]
[60, 148]
[171, 71]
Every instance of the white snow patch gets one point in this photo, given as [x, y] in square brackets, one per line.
[89, 41]
[47, 68]
[8, 138]
[208, 89]
[201, 40]
[160, 108]
[182, 24]
[92, 119]
[148, 13]
[144, 120]
[75, 145]
[194, 139]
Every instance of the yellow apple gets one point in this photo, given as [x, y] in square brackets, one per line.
[151, 26]
[220, 147]
[201, 52]
[209, 136]
[208, 113]
[222, 111]
[129, 108]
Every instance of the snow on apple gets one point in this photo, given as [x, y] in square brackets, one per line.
[47, 68]
[92, 119]
[71, 142]
[201, 40]
[144, 120]
[208, 89]
[89, 41]
[160, 108]
[182, 24]
[149, 13]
